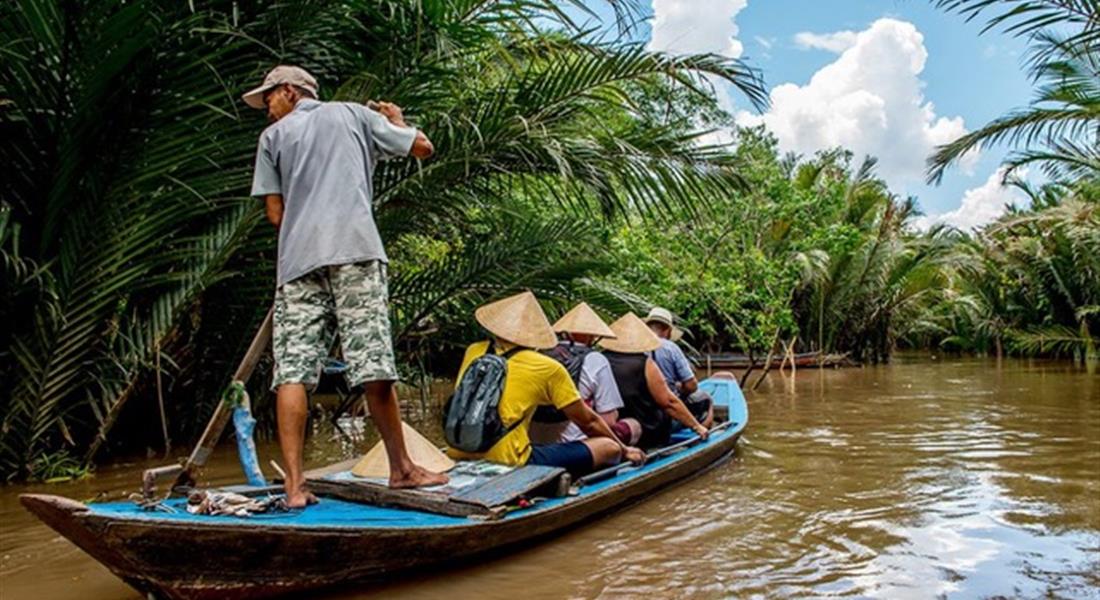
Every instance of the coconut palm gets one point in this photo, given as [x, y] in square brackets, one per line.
[1053, 255]
[865, 293]
[1060, 129]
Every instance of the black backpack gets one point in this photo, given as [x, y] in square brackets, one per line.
[471, 417]
[571, 356]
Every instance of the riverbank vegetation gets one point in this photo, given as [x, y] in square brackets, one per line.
[572, 162]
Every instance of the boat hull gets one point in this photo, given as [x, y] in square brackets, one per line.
[184, 557]
[186, 561]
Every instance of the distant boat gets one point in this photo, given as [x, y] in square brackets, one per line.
[179, 556]
[742, 361]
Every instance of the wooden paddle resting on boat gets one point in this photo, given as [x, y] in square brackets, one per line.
[183, 473]
[172, 554]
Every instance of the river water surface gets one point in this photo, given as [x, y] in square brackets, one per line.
[922, 479]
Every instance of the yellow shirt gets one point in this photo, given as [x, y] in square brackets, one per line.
[533, 379]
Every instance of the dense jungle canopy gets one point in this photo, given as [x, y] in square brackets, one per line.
[571, 162]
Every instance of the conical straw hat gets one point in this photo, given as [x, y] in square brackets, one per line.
[582, 319]
[518, 319]
[632, 335]
[421, 450]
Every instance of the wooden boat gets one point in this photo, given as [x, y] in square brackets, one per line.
[183, 556]
[804, 360]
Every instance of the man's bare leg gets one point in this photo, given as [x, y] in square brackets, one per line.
[384, 410]
[291, 409]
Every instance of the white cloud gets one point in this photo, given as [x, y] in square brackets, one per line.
[869, 100]
[696, 27]
[700, 27]
[837, 42]
[981, 205]
[767, 43]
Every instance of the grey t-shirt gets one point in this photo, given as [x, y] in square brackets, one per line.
[321, 159]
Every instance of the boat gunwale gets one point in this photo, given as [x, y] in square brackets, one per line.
[611, 486]
[389, 551]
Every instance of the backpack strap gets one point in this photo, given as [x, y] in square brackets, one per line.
[507, 355]
[513, 352]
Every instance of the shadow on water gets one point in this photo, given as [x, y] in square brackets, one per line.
[914, 480]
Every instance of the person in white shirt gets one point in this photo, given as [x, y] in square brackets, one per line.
[579, 329]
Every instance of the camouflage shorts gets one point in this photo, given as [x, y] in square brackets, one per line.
[349, 300]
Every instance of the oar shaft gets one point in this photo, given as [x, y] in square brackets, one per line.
[218, 420]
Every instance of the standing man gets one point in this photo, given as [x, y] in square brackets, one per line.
[676, 368]
[314, 171]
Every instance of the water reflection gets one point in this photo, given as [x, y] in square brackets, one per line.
[910, 481]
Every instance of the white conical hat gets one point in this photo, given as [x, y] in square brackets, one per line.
[632, 335]
[421, 450]
[582, 319]
[518, 319]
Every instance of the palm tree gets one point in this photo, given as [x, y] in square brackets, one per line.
[872, 288]
[1052, 254]
[133, 155]
[1060, 129]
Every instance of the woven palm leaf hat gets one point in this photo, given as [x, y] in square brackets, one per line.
[518, 319]
[632, 336]
[421, 450]
[583, 320]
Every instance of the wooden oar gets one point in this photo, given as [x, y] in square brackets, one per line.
[214, 429]
[660, 452]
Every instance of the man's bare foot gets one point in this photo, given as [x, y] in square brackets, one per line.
[300, 498]
[417, 477]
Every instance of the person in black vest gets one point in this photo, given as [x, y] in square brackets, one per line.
[646, 396]
[578, 330]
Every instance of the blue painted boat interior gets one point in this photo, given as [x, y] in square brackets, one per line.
[334, 513]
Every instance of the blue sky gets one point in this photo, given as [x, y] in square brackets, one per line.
[888, 77]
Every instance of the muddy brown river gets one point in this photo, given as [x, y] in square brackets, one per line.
[922, 479]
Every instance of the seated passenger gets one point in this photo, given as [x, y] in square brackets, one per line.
[676, 368]
[578, 329]
[518, 327]
[646, 396]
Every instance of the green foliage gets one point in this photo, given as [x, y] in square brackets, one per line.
[129, 245]
[810, 249]
[1030, 283]
[57, 467]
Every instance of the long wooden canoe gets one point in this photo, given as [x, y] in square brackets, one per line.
[183, 556]
[804, 360]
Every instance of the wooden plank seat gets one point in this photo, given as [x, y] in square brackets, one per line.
[477, 489]
[503, 489]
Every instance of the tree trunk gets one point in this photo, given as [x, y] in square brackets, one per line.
[767, 361]
[745, 376]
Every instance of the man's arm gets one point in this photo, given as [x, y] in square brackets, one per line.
[422, 147]
[593, 426]
[273, 206]
[687, 382]
[668, 401]
[689, 386]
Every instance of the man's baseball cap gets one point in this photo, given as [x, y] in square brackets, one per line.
[280, 75]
